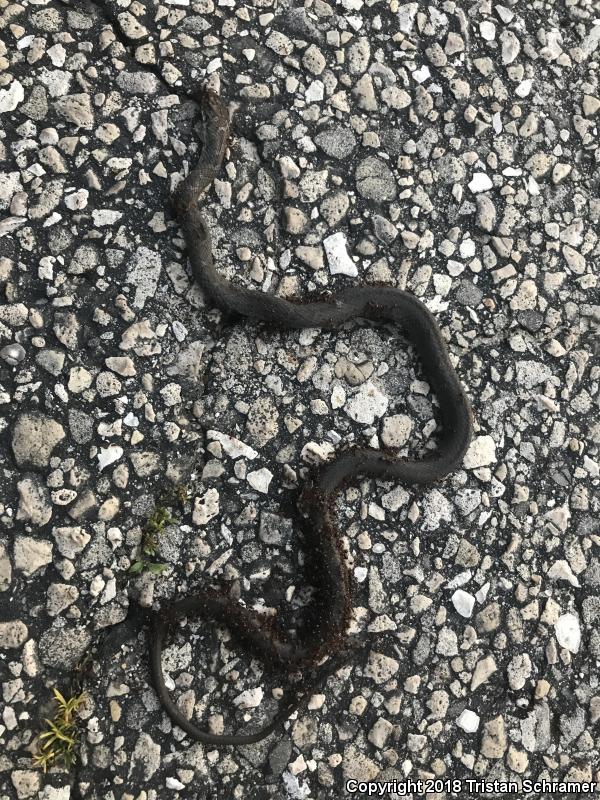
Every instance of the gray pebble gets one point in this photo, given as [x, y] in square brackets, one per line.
[336, 141]
[13, 354]
[374, 180]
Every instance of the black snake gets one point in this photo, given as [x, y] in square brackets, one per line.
[323, 630]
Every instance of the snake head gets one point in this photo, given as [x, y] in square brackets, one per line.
[212, 107]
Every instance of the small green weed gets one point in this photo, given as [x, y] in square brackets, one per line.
[155, 525]
[57, 744]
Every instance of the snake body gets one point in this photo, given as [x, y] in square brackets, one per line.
[327, 618]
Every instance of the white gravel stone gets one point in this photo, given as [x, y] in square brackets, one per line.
[146, 755]
[406, 16]
[532, 373]
[11, 97]
[486, 213]
[294, 788]
[132, 28]
[122, 365]
[5, 568]
[447, 643]
[108, 455]
[367, 404]
[232, 446]
[574, 259]
[27, 783]
[468, 721]
[315, 92]
[32, 554]
[171, 394]
[360, 573]
[206, 507]
[481, 452]
[568, 632]
[76, 108]
[70, 540]
[55, 793]
[251, 698]
[59, 597]
[338, 259]
[12, 634]
[260, 479]
[57, 55]
[380, 732]
[58, 81]
[524, 88]
[480, 182]
[467, 248]
[396, 430]
[483, 669]
[79, 380]
[487, 30]
[381, 667]
[10, 183]
[463, 602]
[518, 671]
[13, 354]
[561, 570]
[394, 97]
[422, 74]
[436, 510]
[34, 500]
[460, 579]
[143, 273]
[34, 438]
[510, 47]
[482, 594]
[105, 216]
[77, 201]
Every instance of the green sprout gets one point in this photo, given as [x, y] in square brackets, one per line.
[182, 494]
[153, 529]
[57, 744]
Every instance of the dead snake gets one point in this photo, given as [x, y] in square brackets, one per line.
[323, 629]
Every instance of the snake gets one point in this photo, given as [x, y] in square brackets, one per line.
[322, 631]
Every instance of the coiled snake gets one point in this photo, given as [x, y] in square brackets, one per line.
[323, 629]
